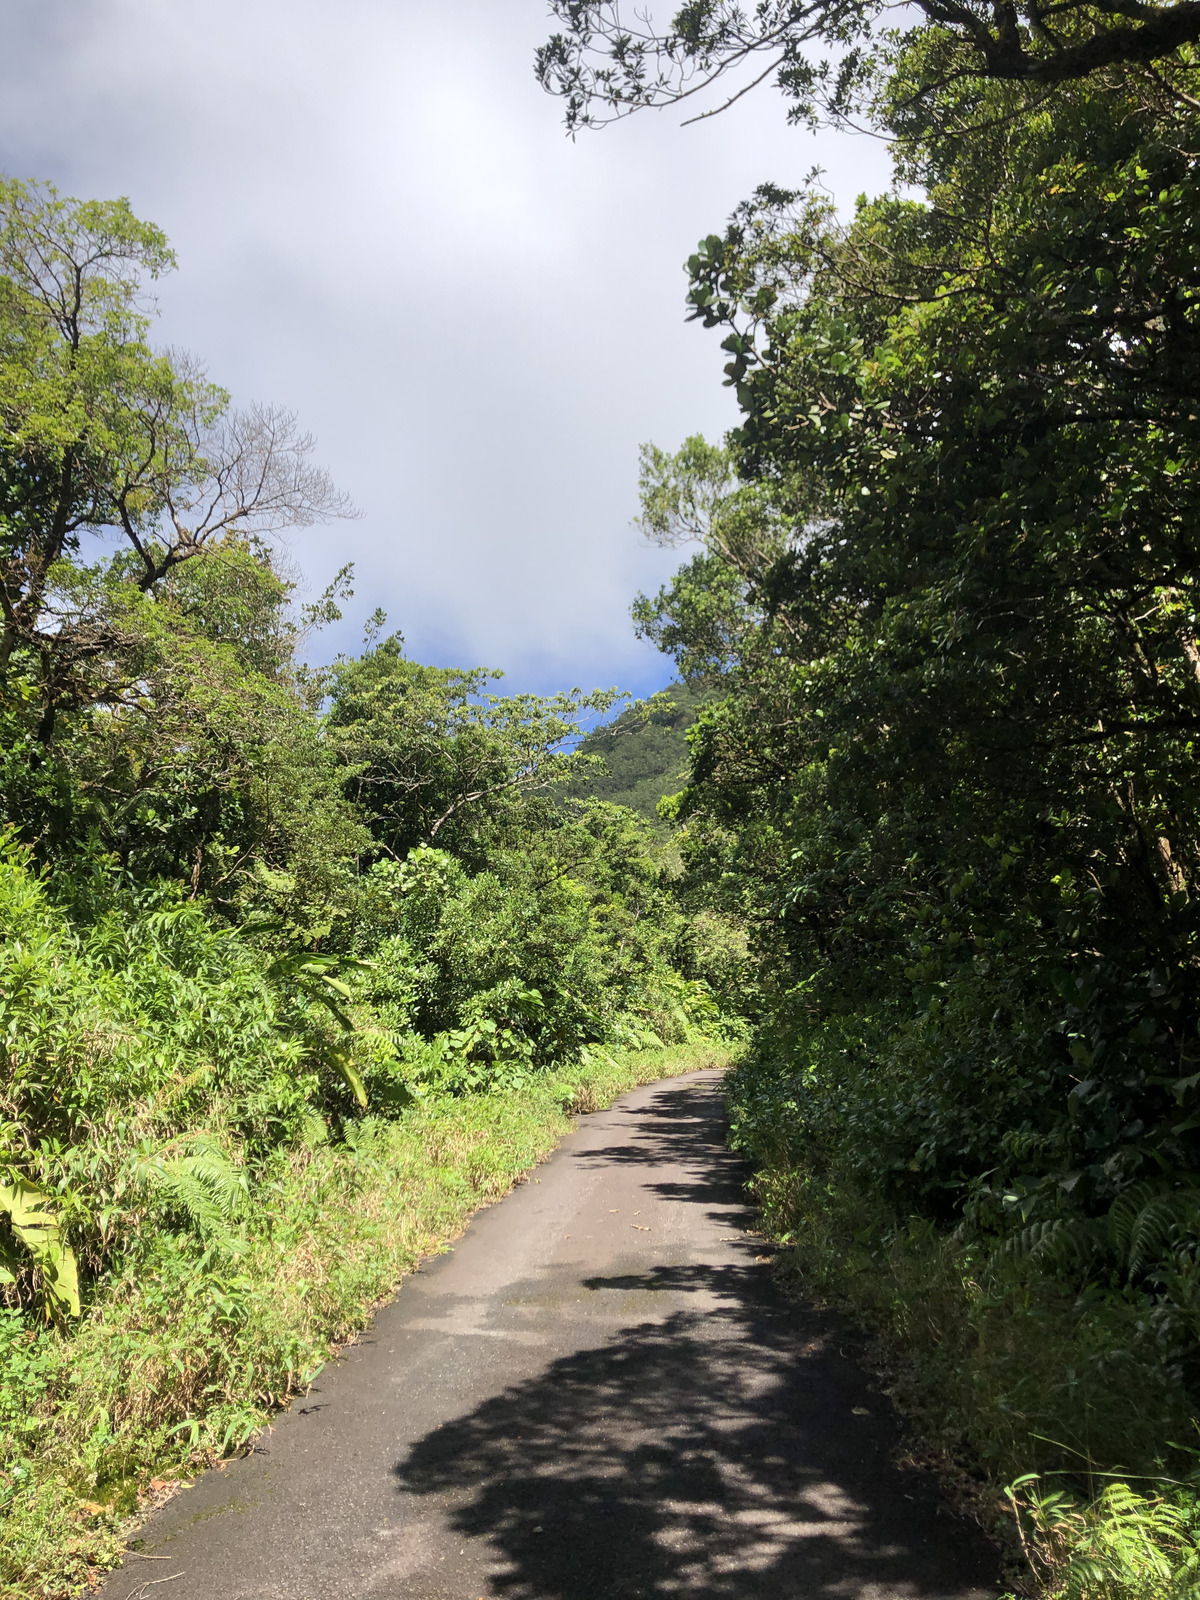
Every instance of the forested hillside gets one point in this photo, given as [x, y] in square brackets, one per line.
[945, 599]
[296, 966]
[644, 753]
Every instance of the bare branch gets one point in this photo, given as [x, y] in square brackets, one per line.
[248, 472]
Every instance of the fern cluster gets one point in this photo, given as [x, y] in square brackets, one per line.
[1121, 1544]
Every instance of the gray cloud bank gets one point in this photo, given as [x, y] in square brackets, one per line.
[380, 223]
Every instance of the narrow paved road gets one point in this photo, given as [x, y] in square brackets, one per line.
[597, 1395]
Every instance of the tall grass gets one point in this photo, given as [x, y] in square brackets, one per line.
[194, 1208]
[183, 1355]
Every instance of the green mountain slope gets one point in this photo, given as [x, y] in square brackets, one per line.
[645, 752]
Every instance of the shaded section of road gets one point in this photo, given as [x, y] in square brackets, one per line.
[598, 1395]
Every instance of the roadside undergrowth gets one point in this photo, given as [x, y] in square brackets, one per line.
[1045, 1411]
[177, 1365]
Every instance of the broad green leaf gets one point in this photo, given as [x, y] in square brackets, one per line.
[36, 1225]
[350, 1076]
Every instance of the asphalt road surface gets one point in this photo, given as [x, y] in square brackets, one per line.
[597, 1395]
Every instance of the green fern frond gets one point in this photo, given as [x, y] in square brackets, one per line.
[1123, 1545]
[205, 1185]
[1065, 1243]
[1150, 1222]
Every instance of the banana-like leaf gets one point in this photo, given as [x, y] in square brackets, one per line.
[314, 975]
[315, 964]
[350, 1075]
[36, 1225]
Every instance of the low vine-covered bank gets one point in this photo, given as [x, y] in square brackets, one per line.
[1046, 1402]
[180, 1360]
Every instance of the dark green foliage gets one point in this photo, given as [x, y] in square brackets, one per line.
[572, 940]
[949, 778]
[825, 55]
[434, 757]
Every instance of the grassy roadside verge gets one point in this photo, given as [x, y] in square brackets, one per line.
[1050, 1414]
[176, 1367]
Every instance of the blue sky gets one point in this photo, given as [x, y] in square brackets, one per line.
[381, 224]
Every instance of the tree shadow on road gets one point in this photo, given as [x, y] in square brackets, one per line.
[712, 1454]
[681, 1128]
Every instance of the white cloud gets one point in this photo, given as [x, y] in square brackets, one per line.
[380, 223]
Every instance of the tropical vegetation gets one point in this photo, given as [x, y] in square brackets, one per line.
[297, 965]
[942, 611]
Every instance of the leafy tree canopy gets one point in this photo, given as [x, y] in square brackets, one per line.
[437, 758]
[824, 55]
[950, 773]
[100, 435]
